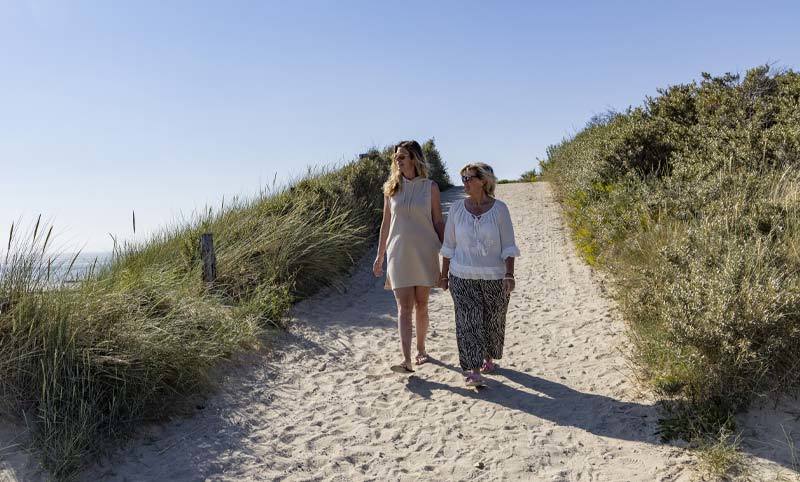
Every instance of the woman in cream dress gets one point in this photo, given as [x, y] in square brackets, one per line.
[411, 236]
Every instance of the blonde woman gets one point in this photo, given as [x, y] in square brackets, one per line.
[410, 239]
[478, 268]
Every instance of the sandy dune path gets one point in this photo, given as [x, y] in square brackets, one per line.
[322, 404]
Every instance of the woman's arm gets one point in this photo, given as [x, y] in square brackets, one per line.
[509, 247]
[510, 266]
[443, 280]
[436, 211]
[509, 283]
[448, 247]
[377, 266]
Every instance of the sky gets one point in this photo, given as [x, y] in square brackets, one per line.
[165, 107]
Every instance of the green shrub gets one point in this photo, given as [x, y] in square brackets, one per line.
[438, 168]
[528, 176]
[691, 201]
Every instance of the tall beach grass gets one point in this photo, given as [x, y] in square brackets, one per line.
[83, 364]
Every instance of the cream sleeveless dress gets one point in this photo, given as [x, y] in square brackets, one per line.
[412, 250]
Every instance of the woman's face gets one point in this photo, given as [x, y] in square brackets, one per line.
[472, 184]
[403, 159]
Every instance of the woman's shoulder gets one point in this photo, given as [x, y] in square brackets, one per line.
[432, 185]
[456, 205]
[501, 206]
[498, 204]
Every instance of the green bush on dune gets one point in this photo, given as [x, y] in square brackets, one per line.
[528, 176]
[438, 169]
[85, 364]
[692, 201]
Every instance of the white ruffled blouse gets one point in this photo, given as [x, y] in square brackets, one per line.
[478, 245]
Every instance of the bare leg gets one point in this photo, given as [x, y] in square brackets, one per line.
[421, 294]
[405, 306]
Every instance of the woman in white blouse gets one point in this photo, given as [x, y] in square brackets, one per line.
[478, 268]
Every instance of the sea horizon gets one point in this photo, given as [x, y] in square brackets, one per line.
[60, 269]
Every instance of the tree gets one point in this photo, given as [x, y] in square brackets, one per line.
[437, 167]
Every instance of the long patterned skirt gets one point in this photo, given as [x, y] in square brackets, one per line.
[481, 307]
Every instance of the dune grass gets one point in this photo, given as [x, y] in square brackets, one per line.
[85, 363]
[692, 202]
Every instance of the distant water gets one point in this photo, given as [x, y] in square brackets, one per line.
[84, 262]
[60, 266]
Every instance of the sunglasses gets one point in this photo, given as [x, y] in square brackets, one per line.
[466, 179]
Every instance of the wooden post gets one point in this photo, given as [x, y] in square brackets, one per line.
[208, 257]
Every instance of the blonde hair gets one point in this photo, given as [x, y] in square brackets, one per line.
[394, 184]
[484, 172]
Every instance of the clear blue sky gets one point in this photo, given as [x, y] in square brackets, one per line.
[165, 106]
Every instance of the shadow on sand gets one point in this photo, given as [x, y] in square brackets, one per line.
[562, 405]
[555, 402]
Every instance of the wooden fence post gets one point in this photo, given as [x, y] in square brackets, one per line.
[209, 258]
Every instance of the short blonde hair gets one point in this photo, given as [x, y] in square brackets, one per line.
[484, 172]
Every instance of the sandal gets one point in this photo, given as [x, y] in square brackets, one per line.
[402, 368]
[474, 380]
[488, 367]
[422, 358]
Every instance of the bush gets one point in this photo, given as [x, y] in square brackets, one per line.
[691, 202]
[528, 176]
[438, 169]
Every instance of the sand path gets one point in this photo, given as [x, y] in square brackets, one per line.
[324, 406]
[321, 404]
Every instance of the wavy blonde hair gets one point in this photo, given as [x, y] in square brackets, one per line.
[394, 184]
[485, 172]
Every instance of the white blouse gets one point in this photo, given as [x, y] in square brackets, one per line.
[478, 245]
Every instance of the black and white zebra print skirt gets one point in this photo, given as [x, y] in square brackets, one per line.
[481, 307]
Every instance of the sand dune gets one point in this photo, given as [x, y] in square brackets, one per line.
[324, 406]
[319, 403]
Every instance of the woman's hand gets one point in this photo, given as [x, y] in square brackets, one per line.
[508, 285]
[377, 267]
[444, 282]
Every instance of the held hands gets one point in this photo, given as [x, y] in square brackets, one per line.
[443, 283]
[377, 267]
